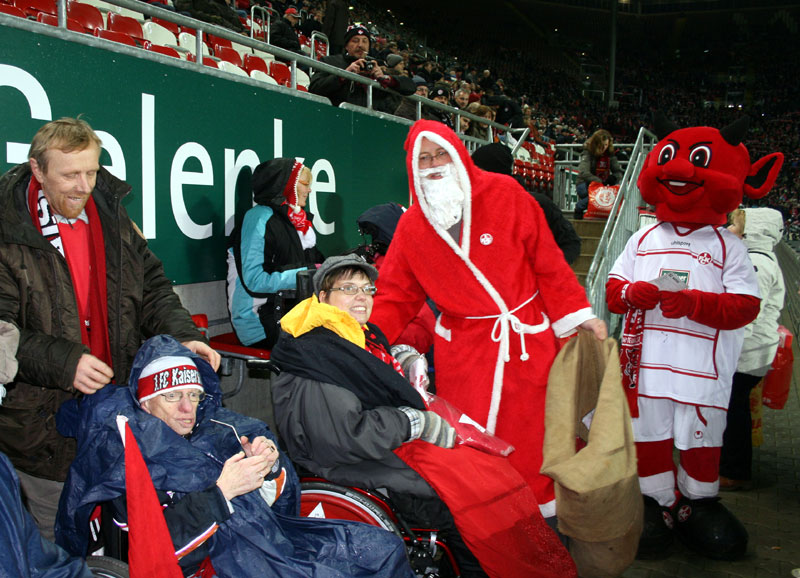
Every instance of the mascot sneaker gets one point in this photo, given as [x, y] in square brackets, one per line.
[709, 528]
[657, 533]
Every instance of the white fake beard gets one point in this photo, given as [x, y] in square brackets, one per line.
[444, 196]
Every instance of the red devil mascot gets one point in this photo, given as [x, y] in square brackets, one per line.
[687, 288]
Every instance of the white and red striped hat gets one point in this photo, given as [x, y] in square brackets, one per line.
[171, 372]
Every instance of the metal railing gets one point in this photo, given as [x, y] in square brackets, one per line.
[201, 27]
[622, 222]
[789, 261]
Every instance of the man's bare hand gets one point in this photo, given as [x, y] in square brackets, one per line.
[91, 375]
[261, 446]
[241, 475]
[596, 326]
[204, 351]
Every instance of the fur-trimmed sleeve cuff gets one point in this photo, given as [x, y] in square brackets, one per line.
[567, 325]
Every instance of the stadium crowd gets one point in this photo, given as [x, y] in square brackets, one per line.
[528, 82]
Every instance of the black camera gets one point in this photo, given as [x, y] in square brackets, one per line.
[368, 65]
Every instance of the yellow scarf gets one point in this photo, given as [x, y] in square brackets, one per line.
[310, 313]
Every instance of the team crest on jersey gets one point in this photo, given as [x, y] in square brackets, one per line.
[486, 239]
[704, 258]
[682, 276]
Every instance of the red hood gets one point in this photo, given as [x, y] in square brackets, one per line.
[445, 137]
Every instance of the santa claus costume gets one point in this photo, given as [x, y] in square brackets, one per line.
[505, 293]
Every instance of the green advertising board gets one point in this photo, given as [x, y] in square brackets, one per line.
[187, 141]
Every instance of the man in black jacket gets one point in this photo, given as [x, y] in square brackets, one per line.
[356, 59]
[283, 33]
[78, 280]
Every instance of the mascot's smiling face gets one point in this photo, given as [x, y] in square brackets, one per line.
[699, 174]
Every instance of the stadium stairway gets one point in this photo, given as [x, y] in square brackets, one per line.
[590, 232]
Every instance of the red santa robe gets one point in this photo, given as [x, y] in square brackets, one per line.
[505, 293]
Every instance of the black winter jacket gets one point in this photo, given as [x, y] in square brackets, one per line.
[339, 90]
[36, 295]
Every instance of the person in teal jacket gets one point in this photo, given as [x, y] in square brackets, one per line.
[274, 242]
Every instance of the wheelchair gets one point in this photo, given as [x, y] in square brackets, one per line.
[106, 567]
[429, 556]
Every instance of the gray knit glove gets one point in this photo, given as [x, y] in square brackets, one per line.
[413, 363]
[430, 427]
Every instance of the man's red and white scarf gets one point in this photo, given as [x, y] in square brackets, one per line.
[94, 328]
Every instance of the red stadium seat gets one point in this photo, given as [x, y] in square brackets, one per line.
[126, 25]
[253, 62]
[171, 26]
[281, 73]
[212, 40]
[120, 37]
[14, 11]
[206, 60]
[227, 54]
[51, 20]
[166, 50]
[32, 7]
[87, 15]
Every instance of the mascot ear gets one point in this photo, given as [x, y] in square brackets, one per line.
[663, 125]
[762, 175]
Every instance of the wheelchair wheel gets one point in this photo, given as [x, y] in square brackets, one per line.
[105, 567]
[326, 500]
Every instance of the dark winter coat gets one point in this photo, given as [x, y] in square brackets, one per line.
[36, 294]
[283, 35]
[339, 90]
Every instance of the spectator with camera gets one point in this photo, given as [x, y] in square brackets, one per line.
[355, 58]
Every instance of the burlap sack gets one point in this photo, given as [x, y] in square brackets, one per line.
[598, 501]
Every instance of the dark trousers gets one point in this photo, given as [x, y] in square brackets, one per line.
[736, 458]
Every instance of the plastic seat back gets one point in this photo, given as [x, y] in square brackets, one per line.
[125, 24]
[157, 34]
[119, 37]
[87, 15]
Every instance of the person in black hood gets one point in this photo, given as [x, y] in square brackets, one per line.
[273, 243]
[497, 158]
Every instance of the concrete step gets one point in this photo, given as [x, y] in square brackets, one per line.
[589, 227]
[589, 245]
[583, 262]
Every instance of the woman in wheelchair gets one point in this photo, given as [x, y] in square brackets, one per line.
[347, 413]
[229, 499]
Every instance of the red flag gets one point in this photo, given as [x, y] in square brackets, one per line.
[150, 552]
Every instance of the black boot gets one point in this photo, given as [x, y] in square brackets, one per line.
[657, 533]
[710, 529]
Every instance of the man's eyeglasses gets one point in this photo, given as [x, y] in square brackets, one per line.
[354, 289]
[175, 396]
[425, 160]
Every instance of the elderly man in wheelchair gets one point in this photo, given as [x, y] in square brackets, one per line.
[229, 498]
[347, 412]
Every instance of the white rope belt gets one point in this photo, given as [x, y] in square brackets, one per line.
[507, 322]
[503, 325]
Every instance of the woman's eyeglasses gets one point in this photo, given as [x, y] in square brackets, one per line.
[354, 289]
